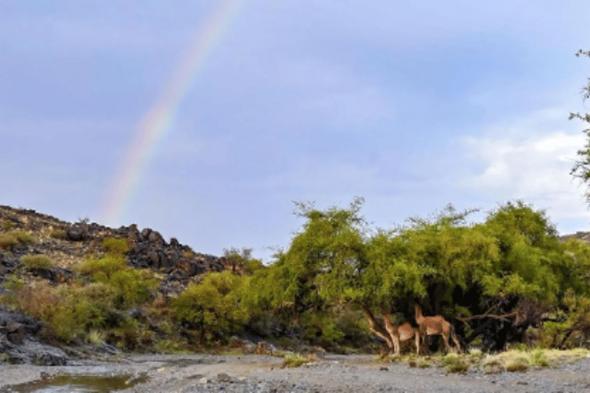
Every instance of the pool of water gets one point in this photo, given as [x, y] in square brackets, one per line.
[79, 384]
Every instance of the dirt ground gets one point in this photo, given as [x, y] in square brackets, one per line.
[334, 373]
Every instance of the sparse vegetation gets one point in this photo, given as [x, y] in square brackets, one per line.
[115, 246]
[292, 360]
[58, 233]
[13, 238]
[455, 363]
[36, 262]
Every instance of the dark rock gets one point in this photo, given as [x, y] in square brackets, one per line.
[56, 275]
[19, 345]
[15, 332]
[77, 232]
[225, 378]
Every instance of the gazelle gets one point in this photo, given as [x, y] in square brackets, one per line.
[401, 333]
[436, 325]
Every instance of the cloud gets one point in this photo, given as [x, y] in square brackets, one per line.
[531, 161]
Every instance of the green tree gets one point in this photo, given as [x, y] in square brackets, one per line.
[581, 169]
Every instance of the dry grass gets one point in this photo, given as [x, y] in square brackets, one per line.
[292, 360]
[37, 262]
[455, 363]
[13, 238]
[509, 361]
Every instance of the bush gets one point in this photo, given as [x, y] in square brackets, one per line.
[455, 363]
[292, 360]
[7, 241]
[130, 286]
[492, 365]
[212, 307]
[37, 262]
[516, 362]
[115, 246]
[538, 358]
[23, 237]
[13, 238]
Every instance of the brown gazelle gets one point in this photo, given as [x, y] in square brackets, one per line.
[401, 333]
[436, 325]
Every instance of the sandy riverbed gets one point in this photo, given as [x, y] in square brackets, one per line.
[210, 373]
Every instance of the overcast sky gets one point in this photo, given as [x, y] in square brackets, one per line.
[412, 105]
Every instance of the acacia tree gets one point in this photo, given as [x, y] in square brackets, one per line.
[581, 169]
[492, 279]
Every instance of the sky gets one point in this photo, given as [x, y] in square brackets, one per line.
[411, 105]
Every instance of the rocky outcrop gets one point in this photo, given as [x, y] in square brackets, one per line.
[18, 342]
[76, 241]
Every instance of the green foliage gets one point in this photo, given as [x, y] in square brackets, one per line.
[115, 246]
[241, 260]
[293, 360]
[130, 286]
[212, 307]
[581, 168]
[455, 363]
[36, 262]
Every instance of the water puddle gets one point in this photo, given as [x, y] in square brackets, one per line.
[78, 384]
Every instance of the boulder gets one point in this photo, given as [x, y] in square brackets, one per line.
[77, 232]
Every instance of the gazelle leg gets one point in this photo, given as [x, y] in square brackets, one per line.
[446, 341]
[417, 340]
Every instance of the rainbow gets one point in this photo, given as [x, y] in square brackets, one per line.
[157, 121]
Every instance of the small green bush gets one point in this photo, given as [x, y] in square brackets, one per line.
[115, 246]
[12, 238]
[131, 286]
[517, 362]
[454, 363]
[212, 307]
[23, 237]
[538, 358]
[39, 261]
[292, 360]
[492, 365]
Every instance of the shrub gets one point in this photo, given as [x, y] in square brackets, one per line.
[454, 363]
[130, 286]
[95, 337]
[292, 360]
[538, 358]
[115, 246]
[212, 307]
[23, 237]
[492, 365]
[7, 241]
[58, 233]
[7, 225]
[36, 262]
[515, 361]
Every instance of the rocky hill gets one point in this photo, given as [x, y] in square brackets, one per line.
[67, 243]
[27, 233]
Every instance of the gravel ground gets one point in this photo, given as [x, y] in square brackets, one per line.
[262, 374]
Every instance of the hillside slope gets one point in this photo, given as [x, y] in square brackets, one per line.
[68, 243]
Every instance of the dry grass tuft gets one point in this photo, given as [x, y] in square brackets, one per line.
[292, 360]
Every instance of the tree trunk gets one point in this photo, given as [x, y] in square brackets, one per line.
[391, 331]
[377, 329]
